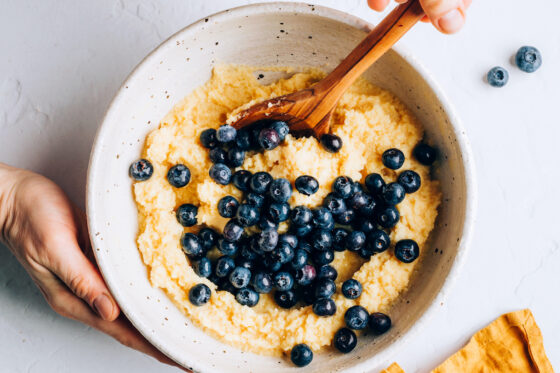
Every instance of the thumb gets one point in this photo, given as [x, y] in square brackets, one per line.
[448, 16]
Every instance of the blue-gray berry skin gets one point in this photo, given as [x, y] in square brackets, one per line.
[307, 185]
[141, 170]
[179, 175]
[497, 77]
[379, 323]
[407, 251]
[203, 267]
[226, 133]
[208, 138]
[186, 214]
[240, 277]
[247, 297]
[351, 289]
[528, 59]
[301, 355]
[280, 190]
[199, 294]
[220, 173]
[281, 128]
[345, 340]
[268, 138]
[356, 317]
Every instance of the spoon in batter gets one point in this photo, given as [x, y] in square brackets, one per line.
[309, 111]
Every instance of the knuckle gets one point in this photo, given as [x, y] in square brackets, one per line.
[80, 286]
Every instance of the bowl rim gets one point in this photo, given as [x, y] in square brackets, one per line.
[471, 192]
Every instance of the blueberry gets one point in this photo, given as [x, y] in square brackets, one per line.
[208, 138]
[220, 173]
[299, 259]
[218, 155]
[301, 215]
[290, 239]
[342, 186]
[241, 180]
[393, 193]
[282, 253]
[351, 289]
[262, 282]
[374, 183]
[266, 223]
[356, 188]
[304, 245]
[334, 203]
[247, 297]
[301, 355]
[345, 340]
[339, 239]
[407, 251]
[379, 323]
[324, 307]
[323, 218]
[225, 285]
[307, 185]
[240, 277]
[321, 240]
[528, 59]
[224, 265]
[365, 253]
[301, 230]
[368, 210]
[331, 143]
[186, 214]
[192, 246]
[388, 216]
[227, 207]
[497, 77]
[283, 281]
[248, 253]
[378, 241]
[306, 275]
[307, 294]
[199, 294]
[255, 199]
[281, 128]
[203, 267]
[410, 181]
[359, 201]
[243, 140]
[356, 317]
[233, 230]
[285, 299]
[235, 157]
[248, 215]
[179, 175]
[260, 182]
[278, 212]
[425, 154]
[355, 240]
[324, 288]
[393, 158]
[364, 224]
[141, 170]
[346, 217]
[271, 264]
[226, 133]
[323, 257]
[268, 139]
[208, 237]
[251, 265]
[327, 272]
[267, 239]
[280, 190]
[228, 248]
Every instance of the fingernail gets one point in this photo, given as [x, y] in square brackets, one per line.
[451, 22]
[103, 306]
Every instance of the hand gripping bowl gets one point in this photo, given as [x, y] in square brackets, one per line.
[312, 36]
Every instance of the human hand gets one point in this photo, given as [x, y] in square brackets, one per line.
[448, 16]
[48, 235]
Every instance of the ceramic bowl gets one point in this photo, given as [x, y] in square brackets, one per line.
[287, 34]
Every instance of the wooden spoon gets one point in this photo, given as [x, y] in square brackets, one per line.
[309, 111]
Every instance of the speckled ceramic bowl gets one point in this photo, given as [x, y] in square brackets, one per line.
[292, 34]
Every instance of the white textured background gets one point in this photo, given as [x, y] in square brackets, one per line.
[63, 60]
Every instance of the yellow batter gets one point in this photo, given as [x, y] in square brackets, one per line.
[368, 119]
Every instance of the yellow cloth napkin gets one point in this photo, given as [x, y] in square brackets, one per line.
[512, 343]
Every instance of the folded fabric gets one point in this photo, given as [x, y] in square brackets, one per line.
[512, 343]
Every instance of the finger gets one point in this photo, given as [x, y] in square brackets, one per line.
[448, 16]
[378, 5]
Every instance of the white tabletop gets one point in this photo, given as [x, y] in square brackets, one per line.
[63, 60]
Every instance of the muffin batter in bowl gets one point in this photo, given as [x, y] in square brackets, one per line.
[368, 120]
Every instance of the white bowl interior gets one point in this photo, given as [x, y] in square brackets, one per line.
[311, 36]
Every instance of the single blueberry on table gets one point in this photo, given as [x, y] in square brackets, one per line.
[224, 266]
[247, 297]
[305, 275]
[282, 253]
[240, 277]
[266, 223]
[324, 288]
[226, 133]
[179, 175]
[290, 239]
[186, 214]
[497, 77]
[268, 139]
[301, 230]
[407, 251]
[199, 294]
[299, 259]
[374, 183]
[208, 238]
[346, 217]
[334, 203]
[255, 199]
[321, 240]
[278, 212]
[241, 180]
[235, 157]
[324, 307]
[378, 241]
[283, 281]
[301, 215]
[345, 340]
[248, 215]
[203, 267]
[342, 186]
[393, 158]
[262, 282]
[307, 185]
[339, 239]
[528, 59]
[192, 246]
[280, 190]
[281, 128]
[356, 317]
[323, 257]
[260, 182]
[243, 140]
[220, 173]
[355, 240]
[424, 154]
[379, 323]
[327, 272]
[218, 155]
[331, 143]
[233, 230]
[141, 170]
[228, 248]
[393, 193]
[388, 216]
[285, 299]
[227, 207]
[301, 355]
[267, 239]
[208, 138]
[351, 289]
